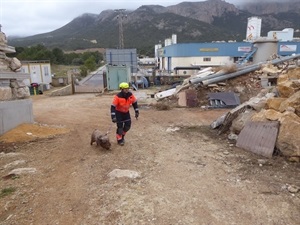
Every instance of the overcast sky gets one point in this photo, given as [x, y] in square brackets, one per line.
[30, 17]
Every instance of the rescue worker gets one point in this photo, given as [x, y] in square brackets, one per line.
[120, 111]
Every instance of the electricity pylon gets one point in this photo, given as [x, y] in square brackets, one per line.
[120, 17]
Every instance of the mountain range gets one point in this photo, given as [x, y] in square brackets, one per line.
[207, 21]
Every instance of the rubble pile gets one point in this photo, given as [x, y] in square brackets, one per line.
[279, 103]
[267, 92]
[11, 80]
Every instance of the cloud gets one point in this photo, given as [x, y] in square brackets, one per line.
[30, 17]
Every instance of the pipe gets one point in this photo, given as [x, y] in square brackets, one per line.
[217, 74]
[247, 70]
[200, 77]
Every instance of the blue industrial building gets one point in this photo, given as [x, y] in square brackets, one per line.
[189, 57]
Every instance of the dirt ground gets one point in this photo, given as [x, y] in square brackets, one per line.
[173, 169]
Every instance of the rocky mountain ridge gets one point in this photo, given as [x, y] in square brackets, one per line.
[211, 20]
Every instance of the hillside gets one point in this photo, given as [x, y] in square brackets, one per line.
[212, 20]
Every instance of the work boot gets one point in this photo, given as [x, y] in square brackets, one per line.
[121, 142]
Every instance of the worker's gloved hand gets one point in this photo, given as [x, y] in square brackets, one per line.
[137, 114]
[114, 119]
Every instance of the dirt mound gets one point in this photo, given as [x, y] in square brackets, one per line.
[32, 132]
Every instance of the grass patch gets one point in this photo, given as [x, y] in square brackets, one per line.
[7, 191]
[62, 70]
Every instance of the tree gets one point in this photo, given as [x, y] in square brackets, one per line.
[59, 56]
[90, 63]
[83, 71]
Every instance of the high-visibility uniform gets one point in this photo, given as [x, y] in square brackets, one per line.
[120, 110]
[123, 101]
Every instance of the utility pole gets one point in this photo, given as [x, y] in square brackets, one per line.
[120, 18]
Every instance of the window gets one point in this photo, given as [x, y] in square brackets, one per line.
[46, 70]
[206, 59]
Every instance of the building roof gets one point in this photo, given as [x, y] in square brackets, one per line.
[213, 49]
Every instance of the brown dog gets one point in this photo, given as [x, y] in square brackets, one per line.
[100, 139]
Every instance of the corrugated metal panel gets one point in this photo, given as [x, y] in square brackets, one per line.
[259, 137]
[223, 99]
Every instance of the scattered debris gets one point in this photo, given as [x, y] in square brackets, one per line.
[14, 163]
[268, 92]
[162, 106]
[172, 129]
[117, 173]
[19, 171]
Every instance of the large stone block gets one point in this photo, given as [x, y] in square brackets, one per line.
[288, 88]
[274, 103]
[288, 141]
[293, 101]
[5, 94]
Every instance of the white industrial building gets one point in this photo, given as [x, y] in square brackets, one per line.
[187, 58]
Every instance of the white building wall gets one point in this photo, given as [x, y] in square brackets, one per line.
[284, 35]
[253, 28]
[46, 73]
[39, 72]
[194, 61]
[201, 61]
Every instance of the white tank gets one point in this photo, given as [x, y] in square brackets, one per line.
[168, 41]
[174, 39]
[253, 28]
[156, 49]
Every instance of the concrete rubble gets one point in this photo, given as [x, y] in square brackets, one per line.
[15, 102]
[278, 99]
[279, 103]
[11, 85]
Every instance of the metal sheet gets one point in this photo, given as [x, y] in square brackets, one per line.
[259, 137]
[223, 99]
[191, 98]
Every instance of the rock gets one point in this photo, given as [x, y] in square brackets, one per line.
[259, 102]
[288, 88]
[288, 141]
[232, 136]
[5, 93]
[274, 103]
[117, 173]
[172, 129]
[272, 115]
[14, 163]
[262, 161]
[293, 188]
[239, 122]
[293, 101]
[294, 159]
[22, 171]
